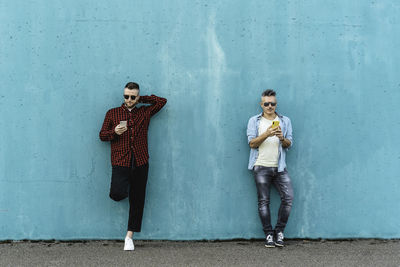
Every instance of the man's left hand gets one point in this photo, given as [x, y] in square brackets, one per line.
[279, 134]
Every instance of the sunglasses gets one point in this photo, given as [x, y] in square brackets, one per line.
[133, 97]
[266, 104]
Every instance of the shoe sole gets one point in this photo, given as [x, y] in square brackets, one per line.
[279, 245]
[269, 246]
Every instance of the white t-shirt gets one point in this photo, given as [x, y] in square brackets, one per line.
[268, 151]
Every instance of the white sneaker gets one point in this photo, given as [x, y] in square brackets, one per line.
[129, 244]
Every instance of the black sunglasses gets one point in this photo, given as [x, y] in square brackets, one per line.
[133, 97]
[266, 104]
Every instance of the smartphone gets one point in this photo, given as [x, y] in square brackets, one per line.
[275, 124]
[123, 123]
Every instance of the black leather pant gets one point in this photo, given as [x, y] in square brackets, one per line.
[264, 178]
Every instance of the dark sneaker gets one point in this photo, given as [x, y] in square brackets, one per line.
[269, 241]
[279, 239]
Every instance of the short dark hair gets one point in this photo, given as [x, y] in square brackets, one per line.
[269, 92]
[132, 85]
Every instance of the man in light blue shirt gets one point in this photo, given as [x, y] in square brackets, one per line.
[270, 136]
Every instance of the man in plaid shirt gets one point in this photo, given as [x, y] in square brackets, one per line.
[126, 128]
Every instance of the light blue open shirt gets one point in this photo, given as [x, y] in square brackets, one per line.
[252, 132]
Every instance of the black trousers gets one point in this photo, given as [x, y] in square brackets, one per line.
[130, 181]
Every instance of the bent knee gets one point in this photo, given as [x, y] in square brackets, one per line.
[117, 197]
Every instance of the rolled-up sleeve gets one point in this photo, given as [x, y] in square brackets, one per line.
[289, 133]
[251, 130]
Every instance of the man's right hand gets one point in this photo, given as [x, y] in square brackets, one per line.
[256, 142]
[119, 129]
[271, 131]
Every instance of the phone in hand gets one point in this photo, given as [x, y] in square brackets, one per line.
[275, 124]
[123, 123]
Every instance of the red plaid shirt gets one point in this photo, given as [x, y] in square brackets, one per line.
[135, 138]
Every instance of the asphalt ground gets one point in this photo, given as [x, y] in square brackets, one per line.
[365, 252]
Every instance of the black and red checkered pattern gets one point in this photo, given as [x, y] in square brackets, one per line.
[135, 138]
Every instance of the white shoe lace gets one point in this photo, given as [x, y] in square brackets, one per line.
[280, 236]
[269, 238]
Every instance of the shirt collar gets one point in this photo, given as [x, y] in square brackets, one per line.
[126, 109]
[260, 115]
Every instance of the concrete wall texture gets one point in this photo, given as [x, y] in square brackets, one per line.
[334, 64]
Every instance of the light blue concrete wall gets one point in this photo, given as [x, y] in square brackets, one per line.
[335, 65]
